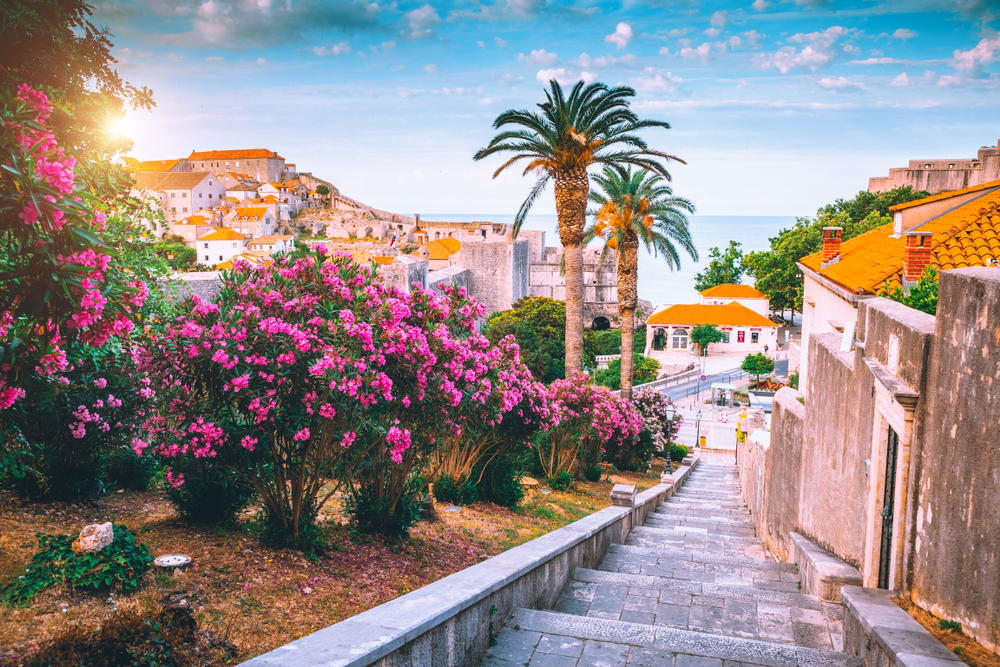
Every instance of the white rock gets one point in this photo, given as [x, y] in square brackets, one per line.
[94, 538]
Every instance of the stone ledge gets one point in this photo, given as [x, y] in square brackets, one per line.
[822, 573]
[883, 635]
[447, 621]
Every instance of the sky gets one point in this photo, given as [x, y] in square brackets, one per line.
[776, 106]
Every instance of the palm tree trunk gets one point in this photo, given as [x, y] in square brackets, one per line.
[628, 300]
[571, 188]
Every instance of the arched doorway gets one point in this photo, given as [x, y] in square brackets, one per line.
[679, 339]
[600, 323]
[659, 339]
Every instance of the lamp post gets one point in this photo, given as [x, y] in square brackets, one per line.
[670, 418]
[697, 425]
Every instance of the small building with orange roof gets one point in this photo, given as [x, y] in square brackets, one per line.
[743, 330]
[945, 231]
[441, 253]
[219, 245]
[744, 295]
[251, 221]
[262, 164]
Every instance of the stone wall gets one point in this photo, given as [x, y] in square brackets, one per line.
[956, 545]
[600, 282]
[453, 274]
[404, 271]
[499, 272]
[203, 283]
[935, 384]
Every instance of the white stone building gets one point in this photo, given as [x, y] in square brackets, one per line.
[179, 194]
[219, 245]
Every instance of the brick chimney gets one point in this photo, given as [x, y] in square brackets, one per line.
[916, 257]
[831, 246]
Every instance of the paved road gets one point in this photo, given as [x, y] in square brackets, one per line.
[681, 391]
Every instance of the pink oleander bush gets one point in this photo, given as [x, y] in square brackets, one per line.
[585, 421]
[58, 284]
[311, 376]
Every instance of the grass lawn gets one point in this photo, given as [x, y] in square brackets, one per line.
[259, 598]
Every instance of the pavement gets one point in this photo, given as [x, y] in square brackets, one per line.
[693, 587]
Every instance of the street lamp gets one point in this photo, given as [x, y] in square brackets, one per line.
[697, 425]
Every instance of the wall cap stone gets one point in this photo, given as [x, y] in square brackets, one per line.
[904, 394]
[623, 495]
[831, 572]
[898, 634]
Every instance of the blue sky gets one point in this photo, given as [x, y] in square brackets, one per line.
[778, 106]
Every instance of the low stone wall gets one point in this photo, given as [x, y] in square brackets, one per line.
[449, 622]
[821, 572]
[883, 635]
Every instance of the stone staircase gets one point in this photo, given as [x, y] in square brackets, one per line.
[693, 587]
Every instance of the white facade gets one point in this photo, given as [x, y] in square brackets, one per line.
[823, 311]
[219, 245]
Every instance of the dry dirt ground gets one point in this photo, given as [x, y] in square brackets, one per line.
[965, 647]
[259, 598]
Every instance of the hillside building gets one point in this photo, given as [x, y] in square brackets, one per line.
[179, 194]
[937, 176]
[220, 244]
[251, 221]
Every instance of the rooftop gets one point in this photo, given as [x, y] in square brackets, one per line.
[730, 314]
[173, 180]
[271, 239]
[968, 235]
[221, 234]
[237, 154]
[731, 291]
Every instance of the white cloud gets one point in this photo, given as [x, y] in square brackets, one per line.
[761, 5]
[481, 44]
[388, 45]
[719, 19]
[601, 62]
[973, 60]
[817, 54]
[689, 105]
[563, 76]
[335, 50]
[900, 81]
[431, 69]
[904, 34]
[655, 81]
[397, 68]
[408, 92]
[712, 32]
[510, 79]
[664, 51]
[621, 36]
[539, 57]
[176, 58]
[422, 21]
[850, 48]
[751, 39]
[678, 32]
[814, 3]
[841, 85]
[214, 59]
[261, 61]
[952, 80]
[703, 52]
[877, 61]
[500, 42]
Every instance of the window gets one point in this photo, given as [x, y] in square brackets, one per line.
[173, 210]
[680, 339]
[184, 195]
[200, 195]
[209, 195]
[237, 163]
[234, 245]
[210, 183]
[725, 336]
[927, 166]
[206, 258]
[185, 209]
[202, 165]
[173, 195]
[951, 166]
[220, 258]
[741, 336]
[206, 245]
[755, 337]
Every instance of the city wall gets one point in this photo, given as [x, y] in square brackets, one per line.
[822, 469]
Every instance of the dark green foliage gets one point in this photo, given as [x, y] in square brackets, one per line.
[644, 369]
[126, 470]
[560, 481]
[678, 453]
[211, 494]
[774, 271]
[793, 380]
[757, 364]
[539, 326]
[724, 268]
[501, 480]
[313, 537]
[634, 456]
[922, 296]
[705, 334]
[593, 473]
[120, 565]
[322, 189]
[374, 514]
[950, 625]
[177, 255]
[610, 341]
[447, 489]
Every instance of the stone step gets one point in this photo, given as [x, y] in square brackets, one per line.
[547, 639]
[690, 543]
[682, 515]
[713, 573]
[685, 508]
[713, 527]
[706, 559]
[700, 533]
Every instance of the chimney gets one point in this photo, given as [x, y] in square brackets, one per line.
[831, 246]
[916, 257]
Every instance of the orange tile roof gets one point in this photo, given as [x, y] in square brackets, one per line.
[443, 248]
[730, 314]
[193, 220]
[730, 291]
[253, 213]
[944, 195]
[384, 260]
[237, 154]
[966, 236]
[221, 234]
[153, 165]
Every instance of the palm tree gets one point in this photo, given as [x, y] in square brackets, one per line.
[633, 208]
[594, 125]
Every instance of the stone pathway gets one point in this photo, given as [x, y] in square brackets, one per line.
[693, 587]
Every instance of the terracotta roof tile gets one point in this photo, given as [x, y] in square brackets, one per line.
[730, 291]
[965, 236]
[221, 234]
[730, 314]
[237, 154]
[944, 195]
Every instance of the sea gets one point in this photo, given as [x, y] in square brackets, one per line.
[657, 283]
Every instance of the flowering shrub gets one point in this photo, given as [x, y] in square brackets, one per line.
[57, 284]
[322, 377]
[652, 405]
[585, 420]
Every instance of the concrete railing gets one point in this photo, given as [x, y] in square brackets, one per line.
[451, 621]
[668, 381]
[604, 359]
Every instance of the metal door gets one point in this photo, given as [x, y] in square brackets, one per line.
[888, 501]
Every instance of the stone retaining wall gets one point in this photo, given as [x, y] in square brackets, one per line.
[449, 623]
